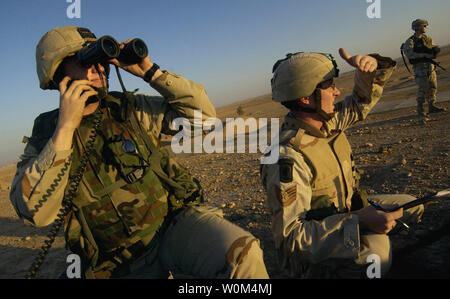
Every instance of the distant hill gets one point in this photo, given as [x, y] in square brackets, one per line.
[400, 86]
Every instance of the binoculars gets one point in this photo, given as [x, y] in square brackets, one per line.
[106, 48]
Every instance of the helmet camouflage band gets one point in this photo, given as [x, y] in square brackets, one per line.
[56, 45]
[298, 75]
[416, 24]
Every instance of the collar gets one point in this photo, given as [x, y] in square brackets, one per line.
[294, 124]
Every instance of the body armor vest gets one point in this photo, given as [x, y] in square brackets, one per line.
[421, 45]
[129, 186]
[332, 168]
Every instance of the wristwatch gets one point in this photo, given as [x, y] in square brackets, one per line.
[149, 74]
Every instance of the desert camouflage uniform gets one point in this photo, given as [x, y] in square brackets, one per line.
[424, 72]
[197, 241]
[316, 173]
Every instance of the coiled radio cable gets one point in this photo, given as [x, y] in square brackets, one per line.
[74, 182]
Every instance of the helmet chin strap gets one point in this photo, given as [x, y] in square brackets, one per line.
[318, 110]
[318, 97]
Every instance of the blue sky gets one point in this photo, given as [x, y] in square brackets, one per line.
[227, 45]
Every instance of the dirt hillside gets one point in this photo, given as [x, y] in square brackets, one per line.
[400, 86]
[395, 153]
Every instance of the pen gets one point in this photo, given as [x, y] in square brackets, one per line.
[379, 207]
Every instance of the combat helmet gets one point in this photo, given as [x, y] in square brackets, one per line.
[416, 24]
[56, 45]
[299, 74]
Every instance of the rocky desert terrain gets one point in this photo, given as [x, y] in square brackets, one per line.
[393, 150]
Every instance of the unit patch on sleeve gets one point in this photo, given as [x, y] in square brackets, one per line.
[286, 168]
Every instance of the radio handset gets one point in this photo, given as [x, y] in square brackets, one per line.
[95, 98]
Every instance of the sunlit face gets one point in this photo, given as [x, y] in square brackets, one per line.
[77, 72]
[329, 92]
[423, 29]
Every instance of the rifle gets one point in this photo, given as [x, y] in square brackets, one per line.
[435, 63]
[424, 59]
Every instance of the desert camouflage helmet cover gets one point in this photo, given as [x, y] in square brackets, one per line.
[417, 23]
[298, 74]
[56, 45]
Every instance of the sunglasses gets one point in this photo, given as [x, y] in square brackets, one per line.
[327, 84]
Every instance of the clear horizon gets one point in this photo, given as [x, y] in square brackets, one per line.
[228, 46]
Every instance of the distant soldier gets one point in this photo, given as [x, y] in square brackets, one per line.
[420, 50]
[321, 221]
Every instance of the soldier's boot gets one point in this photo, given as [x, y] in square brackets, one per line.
[432, 108]
[423, 116]
[423, 119]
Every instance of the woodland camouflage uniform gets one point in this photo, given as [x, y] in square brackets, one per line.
[137, 212]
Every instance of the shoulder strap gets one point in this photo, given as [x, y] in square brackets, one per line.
[295, 143]
[403, 57]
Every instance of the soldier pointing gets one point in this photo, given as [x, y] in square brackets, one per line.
[321, 221]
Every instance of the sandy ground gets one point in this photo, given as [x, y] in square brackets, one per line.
[395, 154]
[394, 151]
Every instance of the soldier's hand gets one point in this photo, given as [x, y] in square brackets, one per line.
[378, 221]
[71, 108]
[72, 102]
[363, 63]
[138, 69]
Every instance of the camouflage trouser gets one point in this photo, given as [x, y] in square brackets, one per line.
[200, 243]
[372, 243]
[426, 80]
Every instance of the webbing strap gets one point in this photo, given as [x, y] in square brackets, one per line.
[404, 61]
[155, 156]
[110, 188]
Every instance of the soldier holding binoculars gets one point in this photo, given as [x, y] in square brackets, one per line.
[96, 165]
[87, 71]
